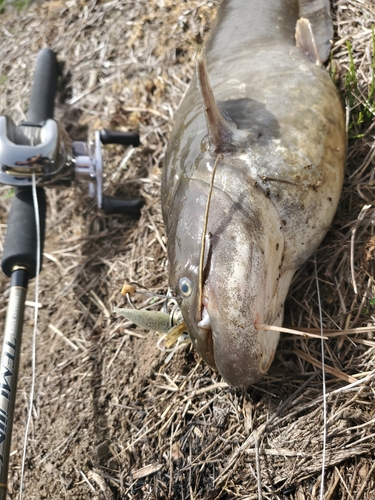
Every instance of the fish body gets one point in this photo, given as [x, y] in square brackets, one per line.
[254, 182]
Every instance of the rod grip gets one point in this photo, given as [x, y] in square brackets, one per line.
[20, 247]
[43, 92]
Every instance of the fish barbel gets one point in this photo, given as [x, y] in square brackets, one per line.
[252, 178]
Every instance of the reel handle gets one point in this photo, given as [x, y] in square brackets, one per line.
[130, 207]
[124, 138]
[112, 205]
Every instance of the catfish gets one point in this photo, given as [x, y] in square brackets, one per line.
[252, 177]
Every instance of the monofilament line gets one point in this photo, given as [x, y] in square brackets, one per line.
[203, 243]
[36, 310]
[323, 383]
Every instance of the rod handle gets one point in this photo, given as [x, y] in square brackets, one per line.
[43, 92]
[20, 247]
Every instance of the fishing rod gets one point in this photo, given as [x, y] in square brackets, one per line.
[33, 157]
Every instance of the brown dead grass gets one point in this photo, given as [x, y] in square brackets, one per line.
[111, 420]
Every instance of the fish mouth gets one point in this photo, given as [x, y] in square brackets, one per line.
[201, 334]
[205, 322]
[235, 348]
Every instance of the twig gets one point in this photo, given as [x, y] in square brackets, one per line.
[60, 334]
[86, 480]
[281, 329]
[339, 333]
[333, 371]
[257, 462]
[250, 439]
[100, 304]
[366, 480]
[323, 382]
[360, 218]
[86, 92]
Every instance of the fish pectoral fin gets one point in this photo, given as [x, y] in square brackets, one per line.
[222, 130]
[306, 42]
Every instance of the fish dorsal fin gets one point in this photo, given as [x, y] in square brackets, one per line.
[306, 42]
[222, 130]
[318, 13]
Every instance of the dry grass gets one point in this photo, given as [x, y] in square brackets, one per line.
[111, 420]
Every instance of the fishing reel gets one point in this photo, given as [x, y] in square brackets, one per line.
[36, 148]
[32, 157]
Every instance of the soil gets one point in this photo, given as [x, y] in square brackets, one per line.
[111, 419]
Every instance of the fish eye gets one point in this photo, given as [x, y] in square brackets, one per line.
[185, 286]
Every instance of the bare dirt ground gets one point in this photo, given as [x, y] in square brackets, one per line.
[112, 420]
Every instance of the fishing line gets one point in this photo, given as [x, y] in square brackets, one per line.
[201, 257]
[36, 311]
[323, 382]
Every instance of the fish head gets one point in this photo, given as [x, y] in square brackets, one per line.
[239, 283]
[184, 244]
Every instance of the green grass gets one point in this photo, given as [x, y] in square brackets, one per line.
[7, 195]
[360, 100]
[369, 310]
[22, 4]
[19, 4]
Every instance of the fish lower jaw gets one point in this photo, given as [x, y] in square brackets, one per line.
[205, 322]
